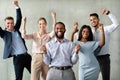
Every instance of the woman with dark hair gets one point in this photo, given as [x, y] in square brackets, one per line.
[88, 64]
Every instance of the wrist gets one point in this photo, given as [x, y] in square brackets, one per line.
[73, 32]
[17, 7]
[108, 13]
[75, 53]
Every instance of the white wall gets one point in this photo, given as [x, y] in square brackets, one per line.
[67, 11]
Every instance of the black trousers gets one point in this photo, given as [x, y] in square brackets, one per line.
[104, 62]
[20, 62]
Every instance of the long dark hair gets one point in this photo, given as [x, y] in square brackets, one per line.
[90, 37]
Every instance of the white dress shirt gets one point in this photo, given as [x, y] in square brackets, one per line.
[108, 30]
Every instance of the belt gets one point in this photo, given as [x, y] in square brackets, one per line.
[101, 56]
[62, 68]
[20, 54]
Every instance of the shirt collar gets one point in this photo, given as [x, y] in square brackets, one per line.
[64, 40]
[10, 31]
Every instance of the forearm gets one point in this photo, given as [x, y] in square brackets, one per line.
[52, 33]
[19, 14]
[1, 31]
[46, 59]
[26, 36]
[19, 19]
[54, 21]
[72, 36]
[74, 58]
[113, 19]
[24, 26]
[102, 39]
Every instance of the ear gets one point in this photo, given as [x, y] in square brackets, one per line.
[65, 30]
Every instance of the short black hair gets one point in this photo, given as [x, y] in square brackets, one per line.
[9, 18]
[60, 23]
[94, 14]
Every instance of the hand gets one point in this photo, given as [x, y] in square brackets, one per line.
[100, 26]
[43, 49]
[53, 13]
[105, 11]
[15, 2]
[77, 48]
[75, 26]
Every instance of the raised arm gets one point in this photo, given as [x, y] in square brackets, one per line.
[53, 14]
[24, 35]
[2, 32]
[114, 20]
[75, 26]
[102, 37]
[23, 29]
[19, 15]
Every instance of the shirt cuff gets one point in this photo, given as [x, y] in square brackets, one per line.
[17, 7]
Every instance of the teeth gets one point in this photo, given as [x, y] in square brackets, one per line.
[59, 33]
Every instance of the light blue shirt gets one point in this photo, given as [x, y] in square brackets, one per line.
[60, 53]
[17, 44]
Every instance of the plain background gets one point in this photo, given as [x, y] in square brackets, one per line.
[68, 11]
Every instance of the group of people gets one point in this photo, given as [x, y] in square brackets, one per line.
[53, 56]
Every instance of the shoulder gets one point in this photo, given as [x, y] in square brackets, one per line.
[92, 42]
[35, 34]
[51, 42]
[89, 43]
[69, 43]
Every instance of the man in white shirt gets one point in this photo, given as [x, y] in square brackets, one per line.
[103, 56]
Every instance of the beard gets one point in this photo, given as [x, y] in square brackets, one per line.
[59, 36]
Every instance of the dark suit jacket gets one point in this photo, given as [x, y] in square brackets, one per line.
[7, 36]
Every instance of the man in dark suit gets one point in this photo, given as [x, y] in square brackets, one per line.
[15, 44]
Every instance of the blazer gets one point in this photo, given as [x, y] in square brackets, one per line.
[7, 36]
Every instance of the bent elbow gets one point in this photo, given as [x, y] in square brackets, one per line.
[102, 44]
[117, 24]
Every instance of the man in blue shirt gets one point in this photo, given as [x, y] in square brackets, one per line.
[60, 54]
[15, 44]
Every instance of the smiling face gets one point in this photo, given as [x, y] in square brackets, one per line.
[85, 33]
[94, 21]
[42, 23]
[59, 30]
[9, 23]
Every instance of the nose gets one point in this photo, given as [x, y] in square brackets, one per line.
[59, 29]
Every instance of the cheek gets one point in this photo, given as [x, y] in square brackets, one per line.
[43, 26]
